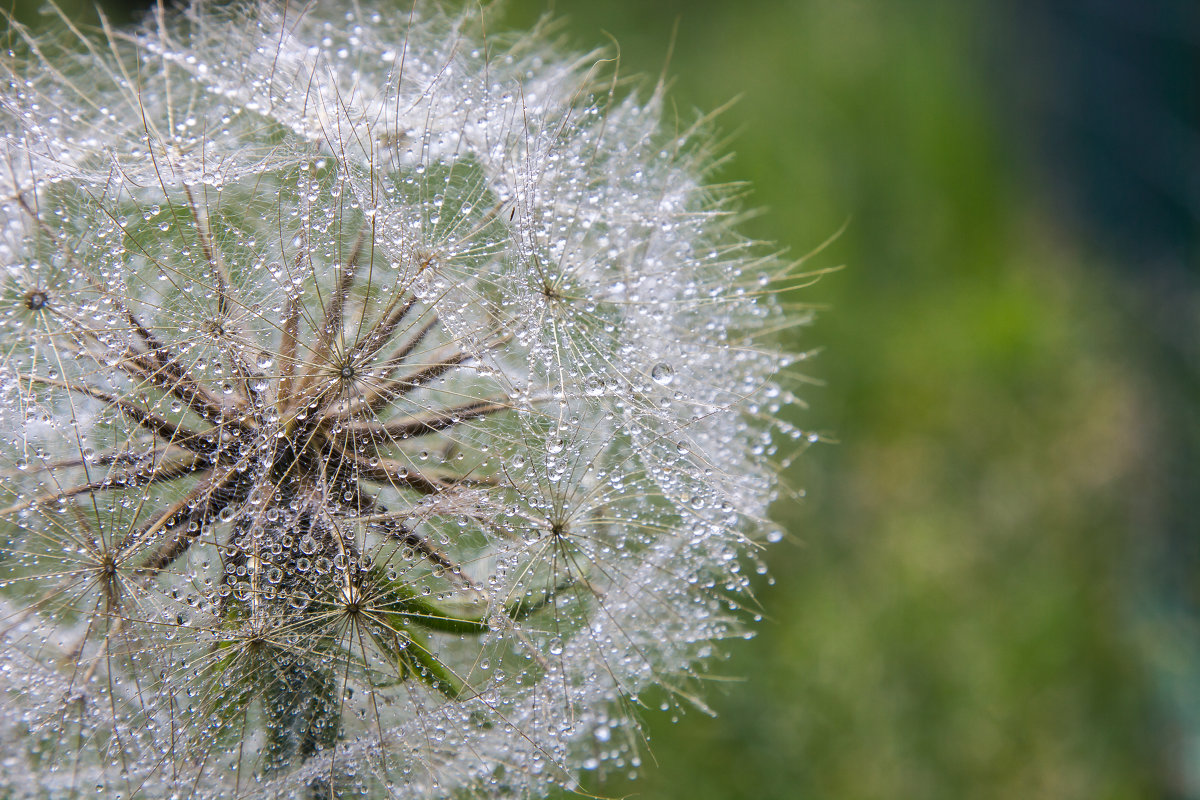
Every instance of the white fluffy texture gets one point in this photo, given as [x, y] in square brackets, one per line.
[196, 185]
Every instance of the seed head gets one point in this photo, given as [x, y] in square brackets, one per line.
[384, 406]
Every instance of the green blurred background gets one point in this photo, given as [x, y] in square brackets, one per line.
[991, 589]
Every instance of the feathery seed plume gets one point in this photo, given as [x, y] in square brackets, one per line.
[383, 405]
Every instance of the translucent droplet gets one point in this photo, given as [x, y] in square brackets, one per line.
[662, 374]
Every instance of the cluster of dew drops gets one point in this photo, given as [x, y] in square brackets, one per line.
[383, 407]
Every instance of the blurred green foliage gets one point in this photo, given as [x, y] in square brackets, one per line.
[954, 613]
[953, 616]
[44, 14]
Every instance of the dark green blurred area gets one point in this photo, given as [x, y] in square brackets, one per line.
[973, 601]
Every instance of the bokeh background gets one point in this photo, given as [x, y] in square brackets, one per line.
[992, 587]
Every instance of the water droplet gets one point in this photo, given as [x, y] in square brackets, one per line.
[662, 374]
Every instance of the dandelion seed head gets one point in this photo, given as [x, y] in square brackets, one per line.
[382, 407]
